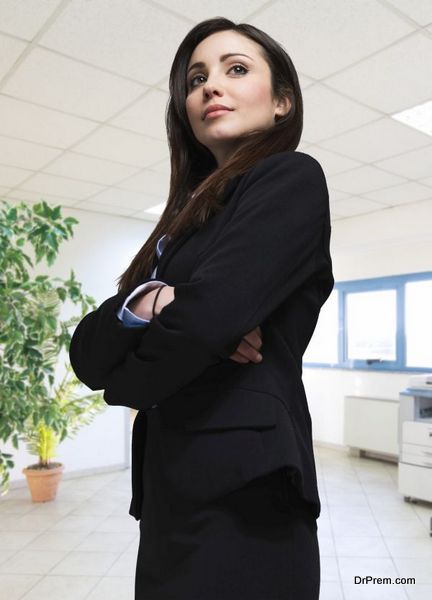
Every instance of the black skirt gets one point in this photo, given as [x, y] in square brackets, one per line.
[256, 543]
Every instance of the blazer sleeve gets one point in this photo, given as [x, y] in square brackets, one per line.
[129, 318]
[101, 340]
[266, 252]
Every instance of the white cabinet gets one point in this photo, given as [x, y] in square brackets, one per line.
[371, 425]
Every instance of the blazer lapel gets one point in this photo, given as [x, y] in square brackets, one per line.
[175, 244]
[170, 249]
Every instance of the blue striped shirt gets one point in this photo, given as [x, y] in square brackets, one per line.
[125, 315]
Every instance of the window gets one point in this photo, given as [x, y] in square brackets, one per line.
[371, 325]
[418, 324]
[383, 323]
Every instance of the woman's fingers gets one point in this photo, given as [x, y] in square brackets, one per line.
[248, 349]
[237, 357]
[254, 338]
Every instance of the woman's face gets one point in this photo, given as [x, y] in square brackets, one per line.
[241, 83]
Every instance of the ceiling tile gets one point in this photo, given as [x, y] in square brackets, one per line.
[146, 116]
[73, 87]
[117, 197]
[26, 155]
[156, 209]
[197, 10]
[23, 18]
[414, 164]
[341, 114]
[355, 206]
[137, 40]
[392, 80]
[426, 181]
[327, 36]
[401, 194]
[123, 147]
[105, 208]
[147, 181]
[33, 197]
[420, 10]
[10, 50]
[115, 48]
[146, 216]
[60, 186]
[331, 162]
[87, 168]
[12, 176]
[337, 194]
[34, 123]
[362, 180]
[163, 85]
[163, 167]
[377, 140]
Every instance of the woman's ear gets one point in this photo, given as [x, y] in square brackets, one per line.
[283, 108]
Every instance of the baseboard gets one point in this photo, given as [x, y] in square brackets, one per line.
[20, 483]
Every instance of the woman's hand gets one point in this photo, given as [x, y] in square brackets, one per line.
[246, 351]
[248, 348]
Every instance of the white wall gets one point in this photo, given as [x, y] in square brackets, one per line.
[102, 247]
[391, 242]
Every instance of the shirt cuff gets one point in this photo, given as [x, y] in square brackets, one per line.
[125, 315]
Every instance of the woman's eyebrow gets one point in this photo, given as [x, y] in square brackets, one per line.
[222, 58]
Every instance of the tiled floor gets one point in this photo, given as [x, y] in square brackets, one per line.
[84, 544]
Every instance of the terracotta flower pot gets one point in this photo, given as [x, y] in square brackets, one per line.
[43, 481]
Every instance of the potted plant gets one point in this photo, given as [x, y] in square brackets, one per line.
[32, 336]
[68, 412]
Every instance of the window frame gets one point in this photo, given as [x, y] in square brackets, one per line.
[393, 282]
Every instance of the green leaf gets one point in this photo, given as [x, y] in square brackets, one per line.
[34, 406]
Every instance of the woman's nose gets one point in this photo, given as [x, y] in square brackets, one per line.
[211, 86]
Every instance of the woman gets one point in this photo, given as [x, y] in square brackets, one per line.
[223, 473]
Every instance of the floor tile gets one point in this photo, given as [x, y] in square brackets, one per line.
[419, 591]
[113, 588]
[85, 563]
[361, 546]
[15, 540]
[106, 541]
[55, 587]
[410, 547]
[13, 586]
[373, 591]
[361, 566]
[329, 568]
[402, 528]
[124, 566]
[51, 540]
[331, 590]
[355, 526]
[84, 545]
[326, 545]
[420, 568]
[32, 562]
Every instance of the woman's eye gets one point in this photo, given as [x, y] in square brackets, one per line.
[191, 81]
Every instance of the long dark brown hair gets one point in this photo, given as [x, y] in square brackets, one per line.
[197, 183]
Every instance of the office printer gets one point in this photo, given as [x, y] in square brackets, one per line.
[422, 381]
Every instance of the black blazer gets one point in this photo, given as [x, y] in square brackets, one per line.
[263, 260]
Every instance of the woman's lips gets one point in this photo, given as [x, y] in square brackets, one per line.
[216, 113]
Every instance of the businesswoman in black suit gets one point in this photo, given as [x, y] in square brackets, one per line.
[223, 472]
